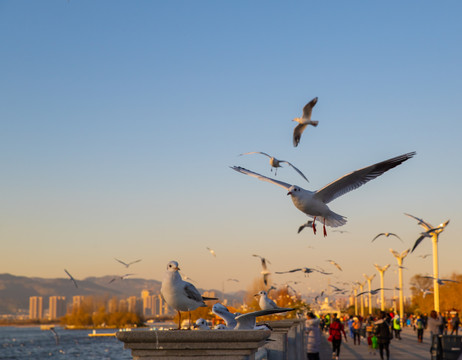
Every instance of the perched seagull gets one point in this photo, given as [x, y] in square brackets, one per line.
[219, 327]
[429, 233]
[309, 223]
[71, 277]
[201, 324]
[128, 264]
[314, 204]
[304, 121]
[424, 256]
[440, 281]
[119, 278]
[430, 230]
[223, 312]
[387, 235]
[335, 264]
[211, 251]
[179, 294]
[275, 163]
[264, 270]
[265, 302]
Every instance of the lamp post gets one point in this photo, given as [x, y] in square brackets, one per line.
[433, 233]
[381, 271]
[361, 288]
[369, 282]
[355, 291]
[400, 258]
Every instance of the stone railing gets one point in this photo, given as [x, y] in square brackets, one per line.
[285, 342]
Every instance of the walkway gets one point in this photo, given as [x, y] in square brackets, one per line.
[406, 349]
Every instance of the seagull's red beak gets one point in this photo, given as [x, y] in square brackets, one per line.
[289, 193]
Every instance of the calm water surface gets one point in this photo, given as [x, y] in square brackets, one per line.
[33, 343]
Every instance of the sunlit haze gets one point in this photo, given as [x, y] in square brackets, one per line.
[120, 121]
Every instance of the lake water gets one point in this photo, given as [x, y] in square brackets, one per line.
[32, 343]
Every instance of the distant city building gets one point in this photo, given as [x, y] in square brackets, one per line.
[147, 302]
[123, 305]
[77, 301]
[113, 305]
[135, 305]
[35, 307]
[56, 307]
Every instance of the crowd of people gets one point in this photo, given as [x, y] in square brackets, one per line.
[376, 331]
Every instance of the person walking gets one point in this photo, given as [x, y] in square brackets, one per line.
[335, 330]
[356, 329]
[434, 323]
[419, 326]
[382, 331]
[397, 327]
[313, 336]
[455, 322]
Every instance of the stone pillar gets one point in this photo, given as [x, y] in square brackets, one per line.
[289, 343]
[193, 345]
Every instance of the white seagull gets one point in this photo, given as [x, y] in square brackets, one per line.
[309, 223]
[265, 302]
[304, 121]
[276, 163]
[128, 264]
[179, 294]
[314, 203]
[440, 281]
[430, 230]
[201, 324]
[119, 277]
[264, 270]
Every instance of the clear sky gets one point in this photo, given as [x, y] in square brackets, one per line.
[120, 119]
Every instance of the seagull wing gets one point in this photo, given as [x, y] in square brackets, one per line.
[298, 131]
[261, 177]
[72, 278]
[256, 152]
[191, 292]
[299, 172]
[289, 271]
[422, 222]
[122, 262]
[248, 321]
[377, 236]
[417, 242]
[358, 178]
[308, 108]
[134, 262]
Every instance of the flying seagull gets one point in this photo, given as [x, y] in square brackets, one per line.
[211, 251]
[264, 270]
[179, 294]
[119, 278]
[424, 256]
[387, 235]
[304, 121]
[309, 223]
[335, 264]
[276, 163]
[128, 264]
[372, 292]
[429, 233]
[71, 278]
[314, 204]
[440, 281]
[304, 270]
[430, 230]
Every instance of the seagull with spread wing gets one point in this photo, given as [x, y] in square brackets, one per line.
[276, 163]
[430, 230]
[304, 121]
[304, 270]
[309, 223]
[314, 203]
[211, 251]
[119, 278]
[440, 281]
[71, 278]
[128, 264]
[386, 235]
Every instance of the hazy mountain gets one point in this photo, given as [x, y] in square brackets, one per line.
[16, 290]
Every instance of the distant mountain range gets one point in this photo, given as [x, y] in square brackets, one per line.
[16, 290]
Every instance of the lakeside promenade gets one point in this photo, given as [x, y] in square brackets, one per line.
[406, 349]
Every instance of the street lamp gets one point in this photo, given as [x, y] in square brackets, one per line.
[400, 258]
[361, 288]
[369, 281]
[382, 272]
[433, 233]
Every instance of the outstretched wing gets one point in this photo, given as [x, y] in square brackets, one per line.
[255, 152]
[261, 177]
[289, 271]
[293, 167]
[308, 108]
[422, 222]
[358, 178]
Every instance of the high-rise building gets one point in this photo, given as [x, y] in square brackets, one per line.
[147, 302]
[77, 301]
[56, 307]
[35, 307]
[134, 305]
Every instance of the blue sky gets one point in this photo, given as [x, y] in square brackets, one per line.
[119, 122]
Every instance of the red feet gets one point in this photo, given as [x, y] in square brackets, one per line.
[314, 225]
[324, 228]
